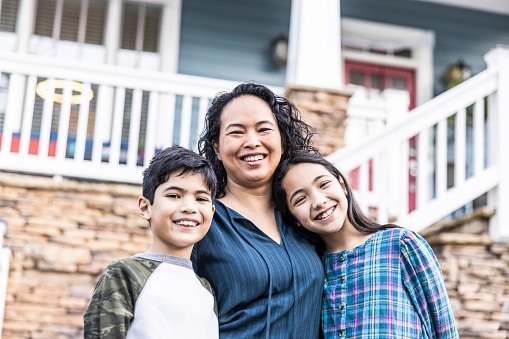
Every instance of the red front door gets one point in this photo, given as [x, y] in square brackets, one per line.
[380, 77]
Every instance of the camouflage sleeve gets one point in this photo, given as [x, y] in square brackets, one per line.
[111, 308]
[205, 283]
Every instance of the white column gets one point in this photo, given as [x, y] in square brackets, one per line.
[25, 26]
[113, 33]
[170, 35]
[314, 51]
[499, 197]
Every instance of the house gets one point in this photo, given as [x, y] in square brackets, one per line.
[91, 89]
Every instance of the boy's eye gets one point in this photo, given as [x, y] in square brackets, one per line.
[203, 199]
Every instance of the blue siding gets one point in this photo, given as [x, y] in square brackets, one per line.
[230, 40]
[460, 33]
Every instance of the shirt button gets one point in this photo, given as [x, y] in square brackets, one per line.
[342, 257]
[342, 306]
[341, 333]
[342, 279]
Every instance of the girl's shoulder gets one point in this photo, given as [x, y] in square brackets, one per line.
[401, 235]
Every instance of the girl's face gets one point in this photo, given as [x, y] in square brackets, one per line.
[249, 144]
[315, 198]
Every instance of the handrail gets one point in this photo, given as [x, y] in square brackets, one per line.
[453, 164]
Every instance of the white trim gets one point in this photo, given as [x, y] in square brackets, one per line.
[367, 34]
[492, 6]
[169, 38]
[313, 49]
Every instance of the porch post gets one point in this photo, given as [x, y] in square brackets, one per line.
[499, 197]
[112, 32]
[25, 26]
[314, 51]
[17, 83]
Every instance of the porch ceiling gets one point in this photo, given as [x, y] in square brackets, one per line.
[492, 6]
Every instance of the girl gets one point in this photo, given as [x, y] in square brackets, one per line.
[381, 281]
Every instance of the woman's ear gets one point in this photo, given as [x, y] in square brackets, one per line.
[216, 149]
[144, 208]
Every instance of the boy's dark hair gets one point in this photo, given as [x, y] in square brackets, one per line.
[359, 220]
[176, 159]
[295, 134]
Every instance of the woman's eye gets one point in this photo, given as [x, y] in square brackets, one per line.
[235, 133]
[265, 129]
[173, 196]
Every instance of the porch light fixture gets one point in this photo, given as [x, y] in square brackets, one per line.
[79, 94]
[456, 73]
[279, 51]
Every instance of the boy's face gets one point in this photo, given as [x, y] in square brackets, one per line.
[180, 215]
[315, 198]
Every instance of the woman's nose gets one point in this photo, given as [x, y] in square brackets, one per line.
[252, 140]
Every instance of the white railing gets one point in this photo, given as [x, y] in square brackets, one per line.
[458, 154]
[95, 121]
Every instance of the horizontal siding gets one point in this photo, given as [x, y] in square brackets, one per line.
[460, 33]
[230, 40]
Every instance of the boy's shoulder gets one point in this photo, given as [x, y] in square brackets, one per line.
[134, 265]
[206, 284]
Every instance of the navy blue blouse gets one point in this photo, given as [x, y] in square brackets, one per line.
[263, 289]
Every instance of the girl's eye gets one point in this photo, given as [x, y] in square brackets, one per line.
[324, 184]
[172, 195]
[298, 201]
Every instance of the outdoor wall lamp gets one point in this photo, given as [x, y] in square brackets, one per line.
[279, 51]
[456, 73]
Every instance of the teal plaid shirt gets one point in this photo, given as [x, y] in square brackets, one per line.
[391, 286]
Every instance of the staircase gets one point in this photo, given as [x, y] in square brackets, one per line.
[459, 155]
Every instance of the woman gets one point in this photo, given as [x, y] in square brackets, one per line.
[268, 279]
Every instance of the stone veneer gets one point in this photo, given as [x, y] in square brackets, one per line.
[325, 110]
[62, 234]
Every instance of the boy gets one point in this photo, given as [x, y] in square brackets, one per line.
[156, 294]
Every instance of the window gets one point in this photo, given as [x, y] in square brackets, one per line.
[140, 27]
[71, 20]
[8, 15]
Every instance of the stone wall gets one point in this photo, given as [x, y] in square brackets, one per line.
[476, 273]
[63, 233]
[325, 110]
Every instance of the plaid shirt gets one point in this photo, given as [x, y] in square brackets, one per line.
[391, 286]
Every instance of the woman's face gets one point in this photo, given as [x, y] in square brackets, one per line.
[249, 144]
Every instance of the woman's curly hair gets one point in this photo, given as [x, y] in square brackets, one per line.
[295, 134]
